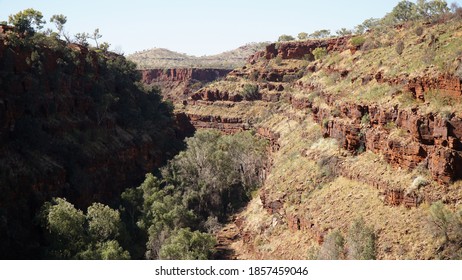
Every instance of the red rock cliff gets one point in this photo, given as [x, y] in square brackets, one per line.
[300, 49]
[177, 84]
[72, 124]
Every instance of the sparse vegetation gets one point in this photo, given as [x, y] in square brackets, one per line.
[285, 38]
[447, 227]
[333, 247]
[419, 31]
[319, 53]
[162, 58]
[357, 41]
[367, 24]
[320, 34]
[343, 32]
[419, 182]
[278, 61]
[250, 92]
[365, 119]
[361, 241]
[399, 47]
[302, 36]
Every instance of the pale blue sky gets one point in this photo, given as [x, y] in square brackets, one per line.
[201, 27]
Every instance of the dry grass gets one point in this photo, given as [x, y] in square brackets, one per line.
[273, 239]
[420, 57]
[401, 232]
[287, 177]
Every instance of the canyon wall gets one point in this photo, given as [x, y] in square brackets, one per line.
[178, 84]
[73, 124]
[301, 49]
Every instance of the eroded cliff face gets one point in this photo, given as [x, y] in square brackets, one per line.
[429, 138]
[301, 50]
[177, 84]
[73, 124]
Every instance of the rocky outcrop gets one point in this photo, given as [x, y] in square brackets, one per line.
[182, 75]
[224, 124]
[300, 49]
[444, 84]
[422, 138]
[217, 95]
[178, 84]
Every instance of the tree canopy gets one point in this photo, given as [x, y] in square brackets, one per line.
[27, 21]
[285, 37]
[74, 235]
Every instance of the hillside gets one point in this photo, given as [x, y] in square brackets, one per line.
[159, 58]
[365, 133]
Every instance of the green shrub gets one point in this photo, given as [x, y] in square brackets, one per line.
[308, 57]
[216, 173]
[73, 235]
[284, 38]
[278, 60]
[446, 226]
[361, 149]
[439, 100]
[390, 125]
[446, 114]
[361, 241]
[302, 36]
[399, 47]
[365, 119]
[357, 41]
[300, 73]
[441, 221]
[370, 44]
[103, 222]
[250, 92]
[333, 247]
[289, 78]
[208, 180]
[343, 32]
[313, 95]
[325, 123]
[254, 75]
[319, 53]
[318, 34]
[327, 166]
[335, 112]
[188, 245]
[108, 250]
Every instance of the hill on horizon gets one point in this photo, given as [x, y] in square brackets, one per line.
[164, 58]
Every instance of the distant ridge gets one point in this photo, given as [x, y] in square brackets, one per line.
[164, 58]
